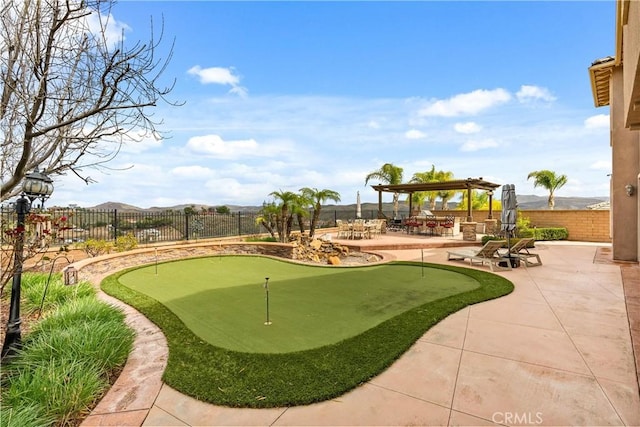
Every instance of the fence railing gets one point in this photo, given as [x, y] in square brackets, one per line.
[172, 225]
[166, 226]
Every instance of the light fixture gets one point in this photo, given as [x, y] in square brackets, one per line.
[36, 185]
[629, 189]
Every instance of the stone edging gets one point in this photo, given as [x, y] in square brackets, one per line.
[132, 396]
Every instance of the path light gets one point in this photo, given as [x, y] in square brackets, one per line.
[70, 276]
[266, 288]
[36, 185]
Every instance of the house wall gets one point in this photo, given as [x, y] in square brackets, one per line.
[631, 64]
[582, 225]
[625, 162]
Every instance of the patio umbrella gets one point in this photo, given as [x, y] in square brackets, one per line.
[358, 206]
[509, 211]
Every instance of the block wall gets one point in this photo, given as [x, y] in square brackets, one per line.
[583, 225]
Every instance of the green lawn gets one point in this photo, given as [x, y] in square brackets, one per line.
[222, 300]
[377, 313]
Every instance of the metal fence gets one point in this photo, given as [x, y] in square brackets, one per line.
[170, 225]
[85, 224]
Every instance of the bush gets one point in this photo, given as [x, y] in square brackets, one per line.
[66, 362]
[34, 287]
[260, 239]
[126, 242]
[96, 247]
[550, 233]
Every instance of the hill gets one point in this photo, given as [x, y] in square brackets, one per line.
[525, 202]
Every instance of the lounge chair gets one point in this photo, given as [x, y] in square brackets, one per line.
[488, 254]
[520, 250]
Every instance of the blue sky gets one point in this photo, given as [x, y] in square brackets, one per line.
[284, 95]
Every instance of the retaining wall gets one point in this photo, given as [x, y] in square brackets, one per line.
[583, 225]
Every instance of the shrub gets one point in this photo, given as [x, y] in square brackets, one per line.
[34, 287]
[66, 362]
[559, 233]
[24, 416]
[96, 247]
[126, 242]
[261, 239]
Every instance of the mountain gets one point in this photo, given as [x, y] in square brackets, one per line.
[531, 202]
[525, 202]
[109, 206]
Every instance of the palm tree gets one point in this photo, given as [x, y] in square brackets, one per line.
[389, 174]
[286, 202]
[549, 180]
[445, 196]
[425, 178]
[317, 198]
[435, 176]
[267, 217]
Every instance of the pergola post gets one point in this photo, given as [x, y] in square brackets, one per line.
[469, 216]
[490, 216]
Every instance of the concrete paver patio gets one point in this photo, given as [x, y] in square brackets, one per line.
[557, 351]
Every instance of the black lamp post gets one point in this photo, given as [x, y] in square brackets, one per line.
[36, 185]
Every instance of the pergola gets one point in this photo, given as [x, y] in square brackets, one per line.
[461, 184]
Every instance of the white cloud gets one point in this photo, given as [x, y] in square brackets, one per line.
[601, 165]
[373, 124]
[470, 103]
[215, 146]
[139, 142]
[195, 172]
[467, 127]
[598, 121]
[108, 27]
[414, 134]
[220, 76]
[478, 144]
[530, 93]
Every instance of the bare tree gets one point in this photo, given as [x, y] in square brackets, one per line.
[69, 95]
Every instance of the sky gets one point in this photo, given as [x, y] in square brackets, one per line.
[277, 96]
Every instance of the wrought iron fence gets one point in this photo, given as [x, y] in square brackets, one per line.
[169, 225]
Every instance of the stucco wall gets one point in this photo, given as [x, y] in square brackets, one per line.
[583, 225]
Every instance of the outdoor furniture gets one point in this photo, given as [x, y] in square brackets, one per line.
[520, 250]
[431, 224]
[375, 228]
[395, 225]
[413, 225]
[344, 230]
[359, 230]
[447, 225]
[488, 254]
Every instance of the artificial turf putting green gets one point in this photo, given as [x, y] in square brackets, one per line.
[215, 374]
[223, 300]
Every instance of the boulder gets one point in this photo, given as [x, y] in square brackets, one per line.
[334, 260]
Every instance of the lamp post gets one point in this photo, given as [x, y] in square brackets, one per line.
[36, 185]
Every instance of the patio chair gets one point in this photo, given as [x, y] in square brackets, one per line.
[344, 230]
[431, 224]
[360, 230]
[413, 225]
[375, 228]
[521, 251]
[488, 254]
[447, 225]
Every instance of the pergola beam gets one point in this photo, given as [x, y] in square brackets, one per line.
[461, 184]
